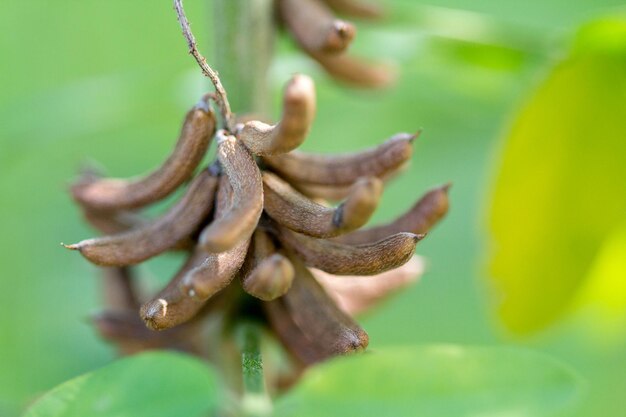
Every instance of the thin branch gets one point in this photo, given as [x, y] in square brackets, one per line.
[221, 97]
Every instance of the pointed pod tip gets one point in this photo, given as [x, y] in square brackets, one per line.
[416, 135]
[446, 187]
[73, 246]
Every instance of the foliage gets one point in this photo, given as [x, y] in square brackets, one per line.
[442, 380]
[154, 384]
[560, 195]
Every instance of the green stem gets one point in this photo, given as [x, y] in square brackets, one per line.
[244, 36]
[255, 402]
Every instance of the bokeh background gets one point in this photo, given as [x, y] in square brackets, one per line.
[110, 82]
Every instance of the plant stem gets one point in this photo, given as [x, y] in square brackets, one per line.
[244, 36]
[255, 401]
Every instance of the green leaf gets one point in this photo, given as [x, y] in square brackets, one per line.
[561, 188]
[155, 384]
[446, 381]
[602, 299]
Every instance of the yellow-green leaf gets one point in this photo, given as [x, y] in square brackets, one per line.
[561, 186]
[602, 298]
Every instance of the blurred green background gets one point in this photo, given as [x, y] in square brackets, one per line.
[111, 81]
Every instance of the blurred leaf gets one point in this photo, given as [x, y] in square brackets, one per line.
[435, 381]
[561, 188]
[603, 297]
[156, 384]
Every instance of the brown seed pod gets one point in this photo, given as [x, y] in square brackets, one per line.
[114, 222]
[217, 270]
[266, 274]
[345, 169]
[356, 8]
[355, 71]
[114, 194]
[339, 259]
[237, 224]
[310, 324]
[356, 294]
[158, 236]
[339, 192]
[419, 219]
[173, 305]
[298, 114]
[270, 279]
[314, 26]
[291, 209]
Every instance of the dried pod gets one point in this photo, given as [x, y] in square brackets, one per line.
[419, 219]
[156, 237]
[293, 210]
[310, 324]
[344, 169]
[355, 71]
[217, 270]
[298, 113]
[173, 305]
[237, 224]
[314, 26]
[260, 170]
[114, 222]
[114, 194]
[356, 8]
[266, 274]
[357, 294]
[270, 279]
[339, 259]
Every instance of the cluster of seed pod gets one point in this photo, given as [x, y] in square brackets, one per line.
[259, 213]
[325, 38]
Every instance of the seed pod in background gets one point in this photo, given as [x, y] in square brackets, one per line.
[114, 222]
[325, 39]
[358, 294]
[314, 27]
[356, 8]
[114, 194]
[357, 72]
[298, 114]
